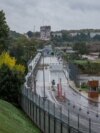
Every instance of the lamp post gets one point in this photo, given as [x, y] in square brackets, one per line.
[35, 85]
[44, 97]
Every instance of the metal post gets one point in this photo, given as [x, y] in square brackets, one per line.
[78, 123]
[54, 109]
[39, 113]
[36, 113]
[34, 86]
[61, 119]
[89, 125]
[54, 120]
[48, 123]
[68, 122]
[61, 127]
[48, 117]
[33, 107]
[44, 78]
[30, 109]
[68, 117]
[44, 116]
[61, 113]
[48, 105]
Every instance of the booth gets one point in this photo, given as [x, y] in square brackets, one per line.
[93, 91]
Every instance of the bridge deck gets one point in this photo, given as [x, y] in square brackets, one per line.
[54, 71]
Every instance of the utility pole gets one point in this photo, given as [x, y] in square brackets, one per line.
[43, 77]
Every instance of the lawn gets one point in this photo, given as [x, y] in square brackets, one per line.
[13, 120]
[81, 62]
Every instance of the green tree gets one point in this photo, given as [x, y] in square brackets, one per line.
[11, 78]
[10, 84]
[4, 32]
[23, 49]
[81, 48]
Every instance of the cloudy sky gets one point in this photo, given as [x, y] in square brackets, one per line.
[24, 15]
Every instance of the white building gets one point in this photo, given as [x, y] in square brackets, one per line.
[56, 34]
[93, 34]
[45, 32]
[47, 50]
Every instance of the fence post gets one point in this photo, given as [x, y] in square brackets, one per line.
[30, 109]
[33, 105]
[54, 120]
[39, 113]
[28, 101]
[48, 106]
[78, 123]
[61, 119]
[44, 113]
[89, 125]
[48, 117]
[36, 106]
[68, 122]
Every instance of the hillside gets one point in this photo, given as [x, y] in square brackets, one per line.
[14, 34]
[13, 120]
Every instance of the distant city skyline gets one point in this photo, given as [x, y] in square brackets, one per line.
[25, 15]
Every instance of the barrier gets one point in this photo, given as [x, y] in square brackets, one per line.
[45, 114]
[49, 117]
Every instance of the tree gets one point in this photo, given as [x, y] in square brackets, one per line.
[4, 32]
[11, 78]
[30, 34]
[81, 48]
[23, 49]
[9, 84]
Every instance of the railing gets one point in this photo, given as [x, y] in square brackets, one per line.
[50, 118]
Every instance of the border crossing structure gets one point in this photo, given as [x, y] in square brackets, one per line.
[52, 116]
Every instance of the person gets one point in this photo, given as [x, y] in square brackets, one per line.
[53, 84]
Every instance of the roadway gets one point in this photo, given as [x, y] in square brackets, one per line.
[54, 70]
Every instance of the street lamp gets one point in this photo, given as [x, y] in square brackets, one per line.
[44, 97]
[34, 83]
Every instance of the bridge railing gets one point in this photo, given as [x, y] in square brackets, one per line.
[50, 117]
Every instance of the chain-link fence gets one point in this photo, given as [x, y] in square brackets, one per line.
[50, 117]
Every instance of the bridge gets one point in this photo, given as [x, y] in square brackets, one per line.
[41, 100]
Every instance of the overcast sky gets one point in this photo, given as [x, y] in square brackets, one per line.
[24, 15]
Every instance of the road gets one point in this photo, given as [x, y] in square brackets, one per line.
[54, 70]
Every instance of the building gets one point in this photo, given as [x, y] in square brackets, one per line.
[70, 50]
[73, 34]
[47, 50]
[93, 34]
[95, 47]
[45, 32]
[56, 34]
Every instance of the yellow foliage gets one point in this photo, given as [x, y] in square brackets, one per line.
[6, 59]
[20, 68]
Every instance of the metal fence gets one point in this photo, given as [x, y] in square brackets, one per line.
[50, 118]
[73, 72]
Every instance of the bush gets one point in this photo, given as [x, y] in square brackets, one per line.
[11, 78]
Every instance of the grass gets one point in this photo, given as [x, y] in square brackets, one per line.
[84, 88]
[80, 61]
[13, 120]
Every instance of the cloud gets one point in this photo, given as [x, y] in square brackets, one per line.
[23, 15]
[84, 5]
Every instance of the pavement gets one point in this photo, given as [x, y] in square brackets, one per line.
[55, 71]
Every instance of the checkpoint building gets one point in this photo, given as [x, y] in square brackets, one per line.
[45, 33]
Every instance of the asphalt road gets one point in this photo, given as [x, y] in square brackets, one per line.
[55, 71]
